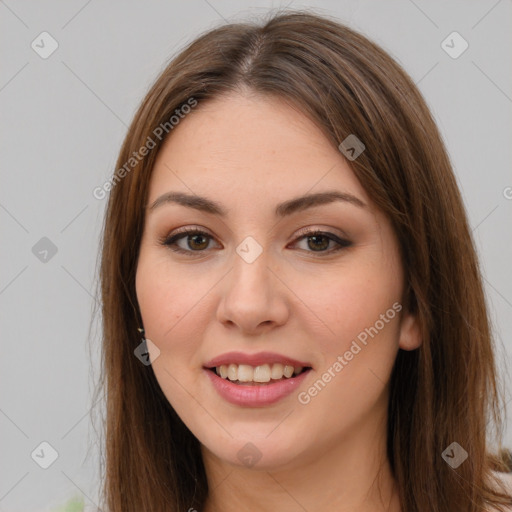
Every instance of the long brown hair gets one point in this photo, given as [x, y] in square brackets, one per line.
[443, 392]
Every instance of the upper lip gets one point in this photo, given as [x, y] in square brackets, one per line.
[257, 359]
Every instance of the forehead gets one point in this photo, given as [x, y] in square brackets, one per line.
[250, 147]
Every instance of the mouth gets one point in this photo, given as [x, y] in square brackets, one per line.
[261, 375]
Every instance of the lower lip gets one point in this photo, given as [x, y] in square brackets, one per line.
[257, 395]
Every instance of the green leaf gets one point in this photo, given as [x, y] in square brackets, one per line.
[75, 504]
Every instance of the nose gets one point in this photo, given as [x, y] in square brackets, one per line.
[253, 296]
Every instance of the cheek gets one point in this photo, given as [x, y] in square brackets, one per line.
[174, 313]
[345, 302]
[358, 359]
[169, 307]
[165, 296]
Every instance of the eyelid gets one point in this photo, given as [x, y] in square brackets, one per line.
[308, 230]
[181, 232]
[342, 241]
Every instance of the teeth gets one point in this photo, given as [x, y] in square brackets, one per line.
[277, 371]
[232, 370]
[263, 373]
[288, 371]
[245, 373]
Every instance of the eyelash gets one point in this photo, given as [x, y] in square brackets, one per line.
[305, 233]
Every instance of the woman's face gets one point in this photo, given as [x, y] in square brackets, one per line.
[254, 293]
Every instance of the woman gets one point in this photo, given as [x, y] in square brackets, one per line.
[285, 233]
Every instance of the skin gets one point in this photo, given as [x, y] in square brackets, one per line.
[249, 153]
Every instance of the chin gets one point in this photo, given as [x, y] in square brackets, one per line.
[256, 452]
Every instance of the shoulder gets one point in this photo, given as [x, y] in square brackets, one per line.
[505, 481]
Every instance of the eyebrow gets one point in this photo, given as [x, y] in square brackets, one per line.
[283, 209]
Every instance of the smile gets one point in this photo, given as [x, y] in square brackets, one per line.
[247, 374]
[255, 394]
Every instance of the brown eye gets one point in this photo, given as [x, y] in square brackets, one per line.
[196, 241]
[318, 242]
[195, 244]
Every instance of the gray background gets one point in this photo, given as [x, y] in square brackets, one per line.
[63, 121]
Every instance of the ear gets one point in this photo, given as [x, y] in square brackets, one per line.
[410, 334]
